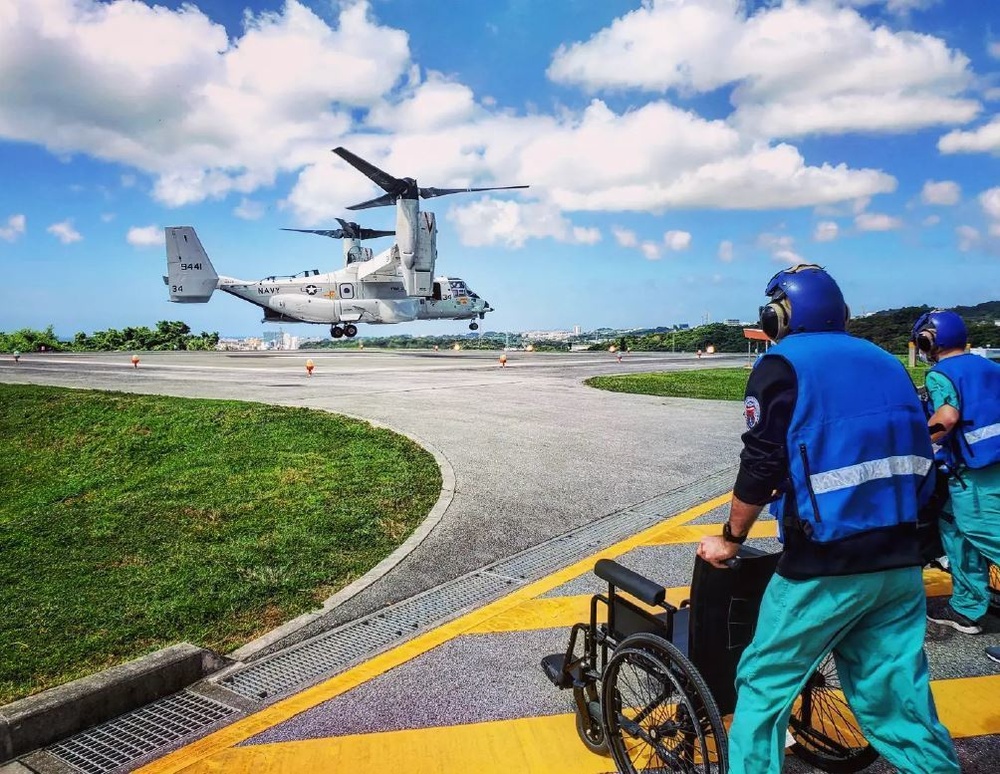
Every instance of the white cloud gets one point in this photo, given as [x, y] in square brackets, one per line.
[944, 192]
[778, 58]
[586, 236]
[990, 202]
[968, 238]
[826, 231]
[436, 103]
[145, 236]
[248, 209]
[932, 220]
[107, 217]
[624, 237]
[650, 250]
[781, 247]
[204, 115]
[64, 232]
[875, 221]
[993, 49]
[491, 221]
[985, 139]
[677, 240]
[725, 251]
[16, 225]
[128, 181]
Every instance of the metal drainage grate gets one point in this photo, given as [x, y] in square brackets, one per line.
[688, 496]
[131, 736]
[335, 650]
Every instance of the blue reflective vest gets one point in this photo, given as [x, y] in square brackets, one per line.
[859, 454]
[976, 440]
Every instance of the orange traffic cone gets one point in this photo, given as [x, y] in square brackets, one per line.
[503, 360]
[309, 367]
[135, 361]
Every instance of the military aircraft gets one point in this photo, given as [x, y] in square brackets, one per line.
[392, 287]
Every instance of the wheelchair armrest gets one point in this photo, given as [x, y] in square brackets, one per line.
[635, 584]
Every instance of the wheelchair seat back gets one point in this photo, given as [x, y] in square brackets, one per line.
[724, 609]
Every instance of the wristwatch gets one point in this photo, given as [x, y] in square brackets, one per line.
[729, 537]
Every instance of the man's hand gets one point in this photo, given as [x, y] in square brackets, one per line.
[716, 550]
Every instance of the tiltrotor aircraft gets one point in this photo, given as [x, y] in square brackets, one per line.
[394, 286]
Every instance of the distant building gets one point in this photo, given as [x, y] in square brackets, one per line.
[576, 329]
[733, 322]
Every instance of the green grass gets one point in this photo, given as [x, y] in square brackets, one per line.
[128, 523]
[707, 384]
[710, 383]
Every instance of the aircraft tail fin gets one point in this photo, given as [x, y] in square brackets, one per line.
[191, 278]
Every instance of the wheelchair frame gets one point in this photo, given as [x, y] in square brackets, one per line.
[651, 687]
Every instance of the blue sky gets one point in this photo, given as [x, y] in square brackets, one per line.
[679, 152]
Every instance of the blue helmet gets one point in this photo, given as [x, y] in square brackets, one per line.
[939, 329]
[804, 299]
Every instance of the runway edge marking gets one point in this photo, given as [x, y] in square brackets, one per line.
[293, 705]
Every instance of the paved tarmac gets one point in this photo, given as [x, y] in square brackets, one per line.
[535, 453]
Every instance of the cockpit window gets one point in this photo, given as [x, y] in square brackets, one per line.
[458, 287]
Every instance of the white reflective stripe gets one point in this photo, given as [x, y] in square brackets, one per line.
[854, 475]
[982, 433]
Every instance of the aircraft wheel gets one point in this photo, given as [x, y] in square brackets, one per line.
[336, 331]
[350, 331]
[473, 326]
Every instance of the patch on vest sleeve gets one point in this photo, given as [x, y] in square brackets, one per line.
[751, 411]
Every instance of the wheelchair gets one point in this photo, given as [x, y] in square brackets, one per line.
[651, 688]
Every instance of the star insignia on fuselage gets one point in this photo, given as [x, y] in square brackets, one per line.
[312, 290]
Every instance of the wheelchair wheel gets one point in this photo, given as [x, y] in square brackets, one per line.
[658, 713]
[825, 731]
[590, 729]
[995, 587]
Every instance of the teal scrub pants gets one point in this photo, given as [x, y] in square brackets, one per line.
[874, 624]
[971, 539]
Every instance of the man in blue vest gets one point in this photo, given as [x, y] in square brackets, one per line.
[835, 426]
[964, 394]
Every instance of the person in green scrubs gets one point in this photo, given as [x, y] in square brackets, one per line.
[964, 394]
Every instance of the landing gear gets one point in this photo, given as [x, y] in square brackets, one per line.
[473, 326]
[350, 330]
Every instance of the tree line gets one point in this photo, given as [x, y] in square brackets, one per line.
[168, 335]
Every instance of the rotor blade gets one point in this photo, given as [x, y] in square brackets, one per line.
[381, 201]
[370, 233]
[334, 234]
[429, 193]
[383, 180]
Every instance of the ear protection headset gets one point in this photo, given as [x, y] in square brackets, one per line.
[774, 319]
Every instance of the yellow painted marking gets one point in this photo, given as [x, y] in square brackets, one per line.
[339, 684]
[544, 745]
[968, 705]
[665, 534]
[541, 745]
[560, 612]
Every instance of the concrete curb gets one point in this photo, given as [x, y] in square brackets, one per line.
[47, 717]
[435, 515]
